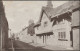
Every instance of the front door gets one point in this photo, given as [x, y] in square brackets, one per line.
[44, 39]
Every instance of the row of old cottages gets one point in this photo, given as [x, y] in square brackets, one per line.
[59, 26]
[24, 36]
[56, 26]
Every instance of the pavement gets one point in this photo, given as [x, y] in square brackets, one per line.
[22, 46]
[51, 47]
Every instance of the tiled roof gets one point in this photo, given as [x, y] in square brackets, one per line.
[47, 11]
[53, 12]
[37, 24]
[69, 6]
[24, 28]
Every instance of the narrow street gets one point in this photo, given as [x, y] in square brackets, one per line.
[21, 46]
[39, 26]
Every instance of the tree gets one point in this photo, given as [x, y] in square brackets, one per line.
[31, 29]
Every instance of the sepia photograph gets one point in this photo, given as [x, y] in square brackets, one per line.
[39, 25]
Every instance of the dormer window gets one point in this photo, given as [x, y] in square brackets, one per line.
[61, 21]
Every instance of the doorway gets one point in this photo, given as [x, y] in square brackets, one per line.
[44, 39]
[71, 38]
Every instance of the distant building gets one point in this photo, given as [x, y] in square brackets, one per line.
[24, 36]
[3, 29]
[57, 26]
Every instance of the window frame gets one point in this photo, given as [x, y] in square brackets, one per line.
[62, 36]
[45, 23]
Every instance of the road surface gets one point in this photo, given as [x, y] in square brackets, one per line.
[21, 46]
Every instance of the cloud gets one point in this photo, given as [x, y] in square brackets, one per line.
[11, 20]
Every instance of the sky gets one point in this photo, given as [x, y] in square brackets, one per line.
[18, 13]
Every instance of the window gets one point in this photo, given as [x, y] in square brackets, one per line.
[59, 34]
[62, 35]
[37, 28]
[62, 21]
[45, 24]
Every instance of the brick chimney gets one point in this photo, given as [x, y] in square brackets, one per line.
[49, 4]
